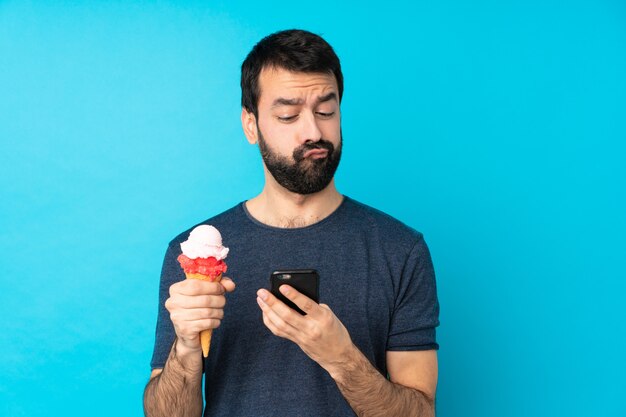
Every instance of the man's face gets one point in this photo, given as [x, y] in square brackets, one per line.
[299, 128]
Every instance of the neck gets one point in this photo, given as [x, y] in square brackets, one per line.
[279, 207]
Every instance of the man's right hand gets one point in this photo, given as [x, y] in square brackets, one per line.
[194, 306]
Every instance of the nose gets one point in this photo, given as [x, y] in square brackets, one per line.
[310, 129]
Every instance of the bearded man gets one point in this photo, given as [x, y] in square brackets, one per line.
[369, 347]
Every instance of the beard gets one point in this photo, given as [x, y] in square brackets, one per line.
[303, 175]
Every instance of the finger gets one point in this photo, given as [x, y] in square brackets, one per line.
[302, 301]
[268, 323]
[195, 301]
[283, 310]
[197, 287]
[228, 284]
[189, 329]
[274, 329]
[275, 322]
[193, 314]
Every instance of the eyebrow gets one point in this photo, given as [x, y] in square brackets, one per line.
[327, 97]
[287, 102]
[298, 101]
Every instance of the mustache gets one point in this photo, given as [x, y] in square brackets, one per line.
[298, 153]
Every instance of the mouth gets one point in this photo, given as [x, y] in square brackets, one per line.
[316, 153]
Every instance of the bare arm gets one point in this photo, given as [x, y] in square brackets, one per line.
[324, 339]
[177, 389]
[372, 395]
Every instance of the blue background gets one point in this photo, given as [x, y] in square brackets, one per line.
[495, 128]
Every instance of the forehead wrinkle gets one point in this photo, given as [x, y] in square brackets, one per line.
[281, 101]
[294, 89]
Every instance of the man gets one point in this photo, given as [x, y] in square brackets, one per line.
[369, 348]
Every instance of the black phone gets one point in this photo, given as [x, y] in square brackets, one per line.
[305, 281]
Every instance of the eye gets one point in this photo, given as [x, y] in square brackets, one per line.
[287, 119]
[324, 115]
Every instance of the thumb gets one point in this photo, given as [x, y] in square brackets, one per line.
[228, 284]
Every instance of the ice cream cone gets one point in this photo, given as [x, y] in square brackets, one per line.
[203, 253]
[205, 335]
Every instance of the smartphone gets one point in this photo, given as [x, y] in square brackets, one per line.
[305, 281]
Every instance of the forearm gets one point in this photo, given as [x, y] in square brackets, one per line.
[177, 391]
[370, 394]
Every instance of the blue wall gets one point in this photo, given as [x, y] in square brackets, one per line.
[496, 129]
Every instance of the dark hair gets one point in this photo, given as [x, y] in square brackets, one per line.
[294, 50]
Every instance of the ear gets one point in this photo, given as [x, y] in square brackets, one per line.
[248, 122]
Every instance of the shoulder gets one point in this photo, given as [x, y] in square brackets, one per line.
[389, 232]
[222, 222]
[381, 223]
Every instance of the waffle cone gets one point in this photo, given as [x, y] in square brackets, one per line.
[205, 335]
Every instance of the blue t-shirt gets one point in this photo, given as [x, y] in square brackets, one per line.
[376, 275]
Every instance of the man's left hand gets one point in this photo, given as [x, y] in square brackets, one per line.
[320, 334]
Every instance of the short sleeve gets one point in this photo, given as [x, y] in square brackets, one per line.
[416, 309]
[164, 337]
